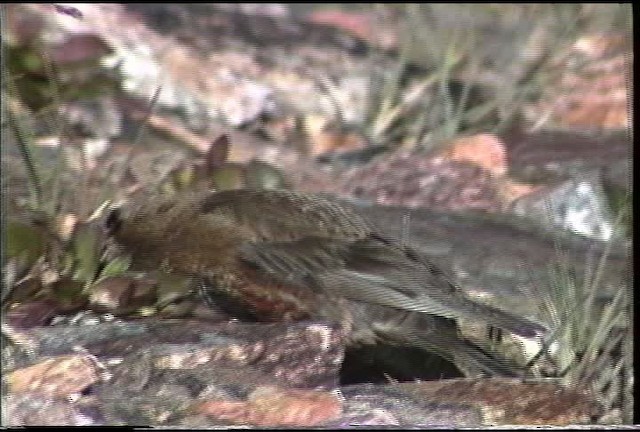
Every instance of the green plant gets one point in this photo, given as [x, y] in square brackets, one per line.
[35, 246]
[593, 340]
[472, 68]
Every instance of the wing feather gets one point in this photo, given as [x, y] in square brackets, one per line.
[286, 215]
[377, 271]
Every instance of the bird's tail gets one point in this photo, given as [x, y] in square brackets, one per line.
[469, 358]
[515, 324]
[440, 336]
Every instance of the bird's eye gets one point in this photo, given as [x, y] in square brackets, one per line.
[113, 222]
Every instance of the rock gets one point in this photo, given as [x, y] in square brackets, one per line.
[185, 372]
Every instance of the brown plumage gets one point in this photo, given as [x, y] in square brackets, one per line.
[281, 255]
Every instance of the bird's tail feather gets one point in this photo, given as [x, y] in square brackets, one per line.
[469, 358]
[443, 339]
[515, 324]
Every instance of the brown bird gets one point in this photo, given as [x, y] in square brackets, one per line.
[280, 255]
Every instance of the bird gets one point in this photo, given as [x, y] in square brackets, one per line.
[278, 256]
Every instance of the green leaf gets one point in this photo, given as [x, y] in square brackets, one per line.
[184, 177]
[229, 176]
[261, 175]
[115, 267]
[24, 241]
[86, 249]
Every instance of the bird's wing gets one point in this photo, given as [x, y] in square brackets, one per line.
[296, 260]
[378, 271]
[280, 216]
[406, 279]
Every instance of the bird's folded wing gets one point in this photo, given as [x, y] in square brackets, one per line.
[375, 271]
[299, 259]
[280, 216]
[360, 271]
